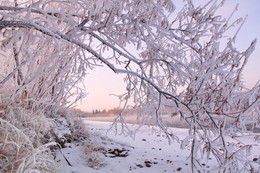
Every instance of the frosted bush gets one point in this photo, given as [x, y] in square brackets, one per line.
[19, 155]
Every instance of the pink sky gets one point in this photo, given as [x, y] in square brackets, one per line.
[102, 82]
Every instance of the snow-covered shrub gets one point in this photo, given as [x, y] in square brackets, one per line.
[67, 128]
[93, 151]
[28, 138]
[95, 161]
[78, 129]
[18, 154]
[22, 137]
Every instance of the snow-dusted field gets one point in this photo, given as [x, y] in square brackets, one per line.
[149, 152]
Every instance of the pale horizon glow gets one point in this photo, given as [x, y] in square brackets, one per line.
[102, 82]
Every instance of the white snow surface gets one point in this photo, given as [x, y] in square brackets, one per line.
[149, 152]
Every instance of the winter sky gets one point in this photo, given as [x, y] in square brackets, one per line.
[100, 83]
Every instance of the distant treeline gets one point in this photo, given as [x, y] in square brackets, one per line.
[96, 112]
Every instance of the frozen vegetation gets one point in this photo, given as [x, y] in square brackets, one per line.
[173, 58]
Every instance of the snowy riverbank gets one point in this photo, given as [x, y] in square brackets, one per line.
[148, 152]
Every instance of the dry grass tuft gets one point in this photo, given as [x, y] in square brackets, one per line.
[95, 161]
[93, 151]
[18, 154]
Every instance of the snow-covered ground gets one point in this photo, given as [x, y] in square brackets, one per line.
[149, 152]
